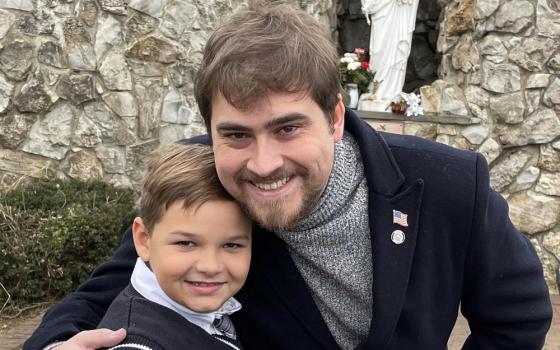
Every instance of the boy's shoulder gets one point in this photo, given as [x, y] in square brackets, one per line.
[153, 326]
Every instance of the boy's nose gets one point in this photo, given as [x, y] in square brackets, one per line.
[210, 263]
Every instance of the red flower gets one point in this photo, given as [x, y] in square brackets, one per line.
[365, 64]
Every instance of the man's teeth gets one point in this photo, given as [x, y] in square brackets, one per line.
[272, 186]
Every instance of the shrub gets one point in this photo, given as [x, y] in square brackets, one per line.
[53, 233]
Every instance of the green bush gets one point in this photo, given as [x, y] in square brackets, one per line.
[52, 235]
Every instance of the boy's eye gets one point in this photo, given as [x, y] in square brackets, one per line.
[233, 246]
[186, 244]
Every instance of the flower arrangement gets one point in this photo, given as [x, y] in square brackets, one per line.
[411, 104]
[354, 69]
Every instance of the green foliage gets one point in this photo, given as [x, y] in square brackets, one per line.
[53, 233]
[361, 77]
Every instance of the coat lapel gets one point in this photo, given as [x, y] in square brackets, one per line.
[392, 260]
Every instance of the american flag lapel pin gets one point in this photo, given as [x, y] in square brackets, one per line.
[400, 218]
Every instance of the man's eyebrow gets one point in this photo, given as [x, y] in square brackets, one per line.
[286, 119]
[228, 126]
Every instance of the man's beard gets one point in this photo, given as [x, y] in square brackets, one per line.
[280, 214]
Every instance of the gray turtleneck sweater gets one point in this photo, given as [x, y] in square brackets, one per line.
[331, 248]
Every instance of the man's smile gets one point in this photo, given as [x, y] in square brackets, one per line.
[271, 185]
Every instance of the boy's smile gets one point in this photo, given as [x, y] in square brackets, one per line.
[200, 256]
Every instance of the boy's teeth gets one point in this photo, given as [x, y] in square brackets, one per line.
[274, 185]
[202, 284]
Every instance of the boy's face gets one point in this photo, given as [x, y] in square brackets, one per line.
[200, 257]
[275, 158]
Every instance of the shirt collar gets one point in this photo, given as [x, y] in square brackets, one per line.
[145, 283]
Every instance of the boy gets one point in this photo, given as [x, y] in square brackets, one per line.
[194, 248]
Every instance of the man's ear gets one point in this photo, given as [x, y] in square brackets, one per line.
[338, 120]
[141, 239]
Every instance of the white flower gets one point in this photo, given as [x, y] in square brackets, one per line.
[346, 60]
[413, 104]
[354, 65]
[414, 110]
[352, 56]
[412, 99]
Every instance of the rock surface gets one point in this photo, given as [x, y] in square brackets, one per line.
[540, 127]
[123, 103]
[115, 71]
[83, 165]
[77, 88]
[506, 169]
[50, 137]
[14, 58]
[501, 78]
[532, 213]
[508, 108]
[34, 96]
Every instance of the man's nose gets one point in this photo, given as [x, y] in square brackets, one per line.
[265, 158]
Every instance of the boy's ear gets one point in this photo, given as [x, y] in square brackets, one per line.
[141, 239]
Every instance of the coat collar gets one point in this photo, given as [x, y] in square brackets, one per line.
[382, 172]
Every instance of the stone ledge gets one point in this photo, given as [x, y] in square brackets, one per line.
[438, 119]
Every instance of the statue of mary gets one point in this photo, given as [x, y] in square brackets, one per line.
[392, 24]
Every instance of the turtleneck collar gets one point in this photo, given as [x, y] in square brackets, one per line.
[346, 175]
[145, 283]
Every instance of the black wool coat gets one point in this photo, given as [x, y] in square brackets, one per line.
[460, 250]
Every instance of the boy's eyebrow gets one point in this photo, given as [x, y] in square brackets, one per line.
[289, 118]
[194, 235]
[183, 233]
[242, 236]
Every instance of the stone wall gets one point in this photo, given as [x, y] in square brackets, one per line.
[500, 64]
[88, 88]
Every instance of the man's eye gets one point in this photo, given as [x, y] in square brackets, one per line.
[236, 136]
[288, 129]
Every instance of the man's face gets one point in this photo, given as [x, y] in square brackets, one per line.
[200, 256]
[275, 158]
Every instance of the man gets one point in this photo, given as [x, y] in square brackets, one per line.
[366, 240]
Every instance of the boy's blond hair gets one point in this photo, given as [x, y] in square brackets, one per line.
[179, 172]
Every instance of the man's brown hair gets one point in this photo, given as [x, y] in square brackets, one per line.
[268, 46]
[179, 172]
